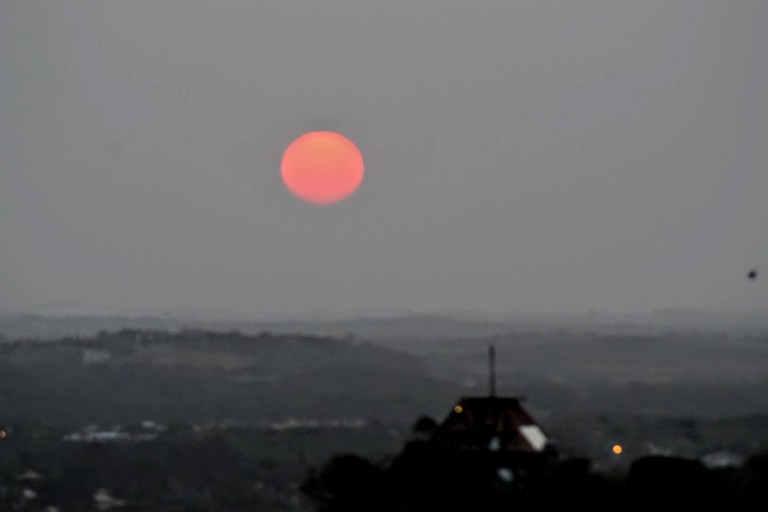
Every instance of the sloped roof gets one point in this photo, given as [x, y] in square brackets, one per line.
[491, 423]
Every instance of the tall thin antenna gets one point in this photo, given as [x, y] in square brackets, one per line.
[492, 371]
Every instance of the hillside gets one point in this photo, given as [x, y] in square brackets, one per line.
[201, 376]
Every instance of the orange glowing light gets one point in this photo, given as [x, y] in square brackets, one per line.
[617, 449]
[322, 167]
[3, 434]
[458, 409]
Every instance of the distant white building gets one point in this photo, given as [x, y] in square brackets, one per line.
[96, 356]
[723, 459]
[30, 475]
[105, 501]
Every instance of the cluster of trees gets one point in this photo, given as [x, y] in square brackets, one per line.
[426, 478]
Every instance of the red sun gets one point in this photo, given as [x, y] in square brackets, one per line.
[322, 167]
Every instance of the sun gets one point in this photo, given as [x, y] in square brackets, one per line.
[322, 167]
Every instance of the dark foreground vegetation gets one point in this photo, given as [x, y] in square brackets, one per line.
[231, 470]
[423, 479]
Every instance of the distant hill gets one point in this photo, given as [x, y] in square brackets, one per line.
[201, 376]
[394, 328]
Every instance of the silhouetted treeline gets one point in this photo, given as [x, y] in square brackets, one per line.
[424, 478]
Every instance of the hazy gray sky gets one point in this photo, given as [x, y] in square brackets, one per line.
[520, 155]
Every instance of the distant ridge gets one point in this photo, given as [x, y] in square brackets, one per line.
[413, 326]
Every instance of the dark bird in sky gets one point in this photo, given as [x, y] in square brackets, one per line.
[752, 274]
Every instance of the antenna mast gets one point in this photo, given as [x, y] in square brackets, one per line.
[492, 370]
